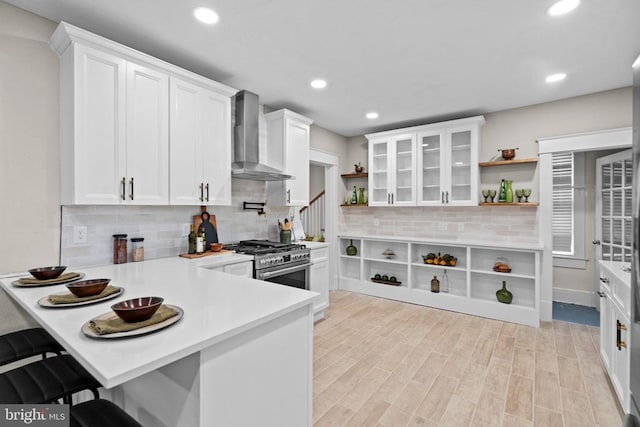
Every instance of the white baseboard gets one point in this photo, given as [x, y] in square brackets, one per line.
[574, 296]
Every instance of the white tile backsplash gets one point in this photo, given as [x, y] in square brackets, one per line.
[163, 227]
[499, 224]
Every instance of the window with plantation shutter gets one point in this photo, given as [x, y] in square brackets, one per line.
[568, 205]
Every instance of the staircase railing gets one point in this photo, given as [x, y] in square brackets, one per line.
[312, 216]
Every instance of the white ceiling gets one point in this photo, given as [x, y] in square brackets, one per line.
[412, 61]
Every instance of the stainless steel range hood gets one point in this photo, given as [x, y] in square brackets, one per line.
[246, 145]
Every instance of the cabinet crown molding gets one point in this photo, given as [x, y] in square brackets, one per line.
[479, 120]
[66, 35]
[285, 113]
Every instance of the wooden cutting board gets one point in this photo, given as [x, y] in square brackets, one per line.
[197, 220]
[193, 256]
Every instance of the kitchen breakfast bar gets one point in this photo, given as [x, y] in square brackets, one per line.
[241, 355]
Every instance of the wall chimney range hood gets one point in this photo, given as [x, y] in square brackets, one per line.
[246, 146]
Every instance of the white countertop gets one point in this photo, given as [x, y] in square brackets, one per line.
[216, 307]
[615, 267]
[462, 241]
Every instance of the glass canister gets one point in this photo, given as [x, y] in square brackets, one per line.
[137, 249]
[119, 248]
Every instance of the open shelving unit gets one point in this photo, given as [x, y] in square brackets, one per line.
[472, 281]
[518, 164]
[508, 162]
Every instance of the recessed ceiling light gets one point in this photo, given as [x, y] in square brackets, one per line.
[205, 15]
[318, 84]
[563, 6]
[555, 77]
[372, 115]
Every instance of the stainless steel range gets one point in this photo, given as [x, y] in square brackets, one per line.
[286, 264]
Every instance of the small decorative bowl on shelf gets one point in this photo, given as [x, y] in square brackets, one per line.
[87, 288]
[389, 254]
[47, 273]
[137, 309]
[501, 265]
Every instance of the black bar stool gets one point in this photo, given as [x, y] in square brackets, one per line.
[46, 381]
[100, 413]
[26, 343]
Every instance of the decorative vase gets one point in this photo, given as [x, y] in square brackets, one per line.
[351, 249]
[504, 295]
[509, 193]
[361, 197]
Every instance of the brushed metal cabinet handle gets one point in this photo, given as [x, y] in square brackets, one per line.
[207, 186]
[446, 196]
[602, 294]
[442, 197]
[289, 196]
[131, 195]
[124, 188]
[202, 192]
[595, 242]
[604, 280]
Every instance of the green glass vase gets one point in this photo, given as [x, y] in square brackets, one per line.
[351, 249]
[509, 192]
[504, 295]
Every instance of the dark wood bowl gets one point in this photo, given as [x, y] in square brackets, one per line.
[137, 309]
[87, 288]
[47, 273]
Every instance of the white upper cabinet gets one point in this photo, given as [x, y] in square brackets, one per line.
[448, 164]
[147, 143]
[288, 150]
[115, 127]
[392, 171]
[431, 165]
[200, 148]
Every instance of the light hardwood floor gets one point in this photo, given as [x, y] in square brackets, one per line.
[379, 362]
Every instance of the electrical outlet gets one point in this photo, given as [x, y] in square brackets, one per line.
[460, 227]
[442, 226]
[80, 234]
[376, 221]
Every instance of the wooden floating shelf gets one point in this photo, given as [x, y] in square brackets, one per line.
[520, 204]
[361, 205]
[508, 162]
[355, 175]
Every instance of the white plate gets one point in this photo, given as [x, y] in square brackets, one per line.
[35, 285]
[44, 301]
[88, 331]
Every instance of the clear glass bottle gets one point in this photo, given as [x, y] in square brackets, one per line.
[444, 283]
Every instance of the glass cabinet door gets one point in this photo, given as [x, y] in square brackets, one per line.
[404, 192]
[379, 172]
[461, 167]
[615, 194]
[430, 168]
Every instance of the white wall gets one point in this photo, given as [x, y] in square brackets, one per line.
[29, 163]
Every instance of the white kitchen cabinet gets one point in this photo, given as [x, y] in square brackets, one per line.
[448, 165]
[472, 281]
[614, 295]
[115, 131]
[200, 147]
[441, 168]
[288, 150]
[319, 280]
[392, 171]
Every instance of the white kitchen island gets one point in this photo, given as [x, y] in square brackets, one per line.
[240, 356]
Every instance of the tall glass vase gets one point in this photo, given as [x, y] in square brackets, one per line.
[509, 192]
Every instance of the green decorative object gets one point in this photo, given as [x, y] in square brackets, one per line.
[361, 200]
[351, 249]
[504, 295]
[509, 194]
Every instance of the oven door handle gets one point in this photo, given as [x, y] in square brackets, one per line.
[268, 274]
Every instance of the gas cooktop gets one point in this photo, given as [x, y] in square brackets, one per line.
[259, 247]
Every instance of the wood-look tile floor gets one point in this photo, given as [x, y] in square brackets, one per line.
[379, 362]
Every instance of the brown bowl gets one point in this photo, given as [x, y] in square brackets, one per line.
[508, 153]
[87, 288]
[216, 247]
[47, 273]
[137, 309]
